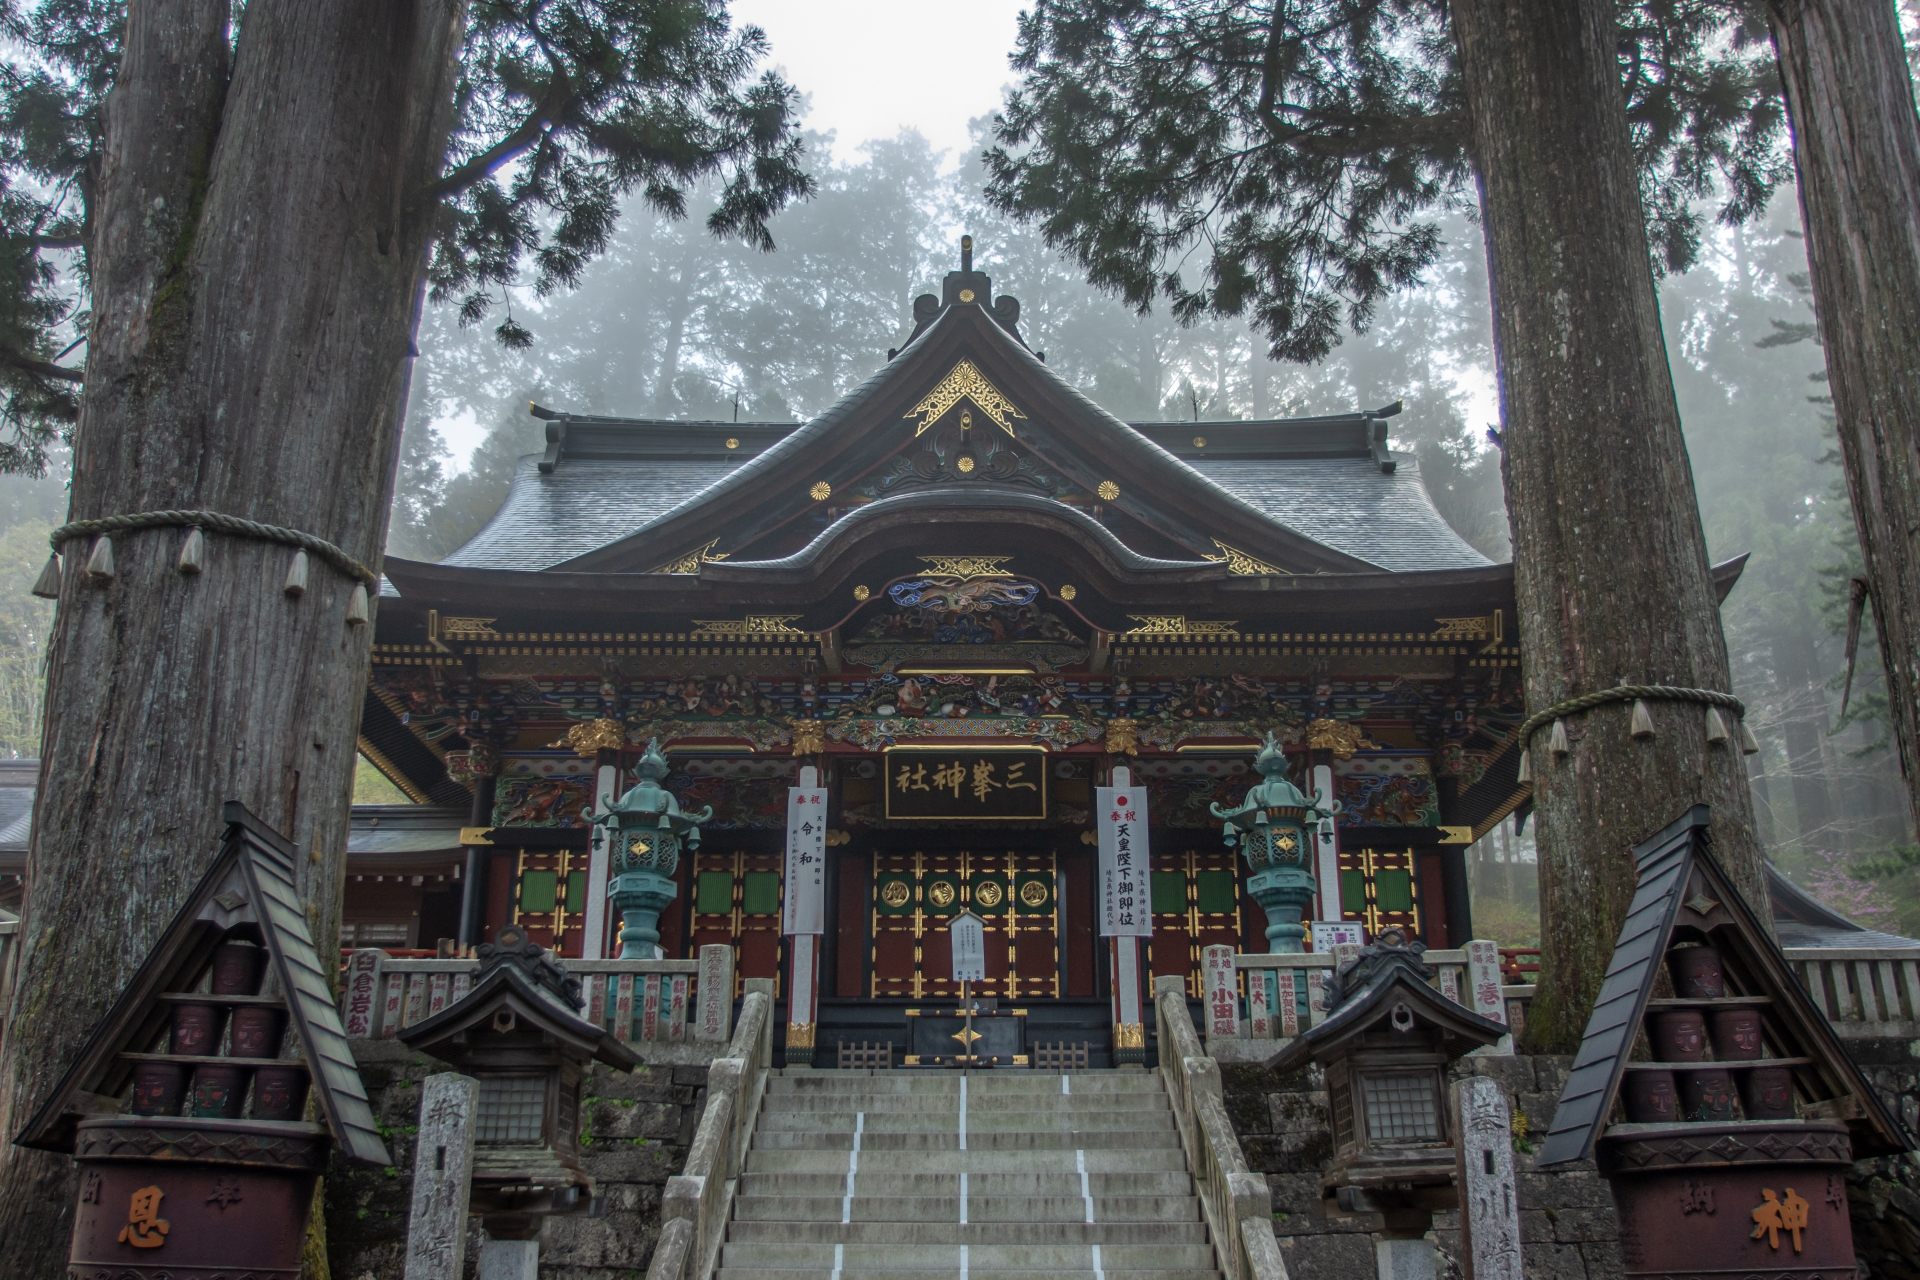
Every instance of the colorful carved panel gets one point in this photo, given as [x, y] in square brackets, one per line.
[1386, 791]
[535, 801]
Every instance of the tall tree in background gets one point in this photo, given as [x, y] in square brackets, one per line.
[1292, 150]
[260, 218]
[1610, 560]
[1857, 147]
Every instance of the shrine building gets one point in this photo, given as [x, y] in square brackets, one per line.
[964, 594]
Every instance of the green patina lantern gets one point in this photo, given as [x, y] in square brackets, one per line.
[1271, 827]
[645, 830]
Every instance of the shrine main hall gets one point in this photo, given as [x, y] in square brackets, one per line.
[963, 596]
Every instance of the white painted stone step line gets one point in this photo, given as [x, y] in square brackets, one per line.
[853, 1171]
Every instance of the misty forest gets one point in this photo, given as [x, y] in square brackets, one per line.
[673, 323]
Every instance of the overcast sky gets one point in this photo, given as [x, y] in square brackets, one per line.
[874, 67]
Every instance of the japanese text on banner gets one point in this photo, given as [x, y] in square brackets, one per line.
[806, 897]
[1125, 911]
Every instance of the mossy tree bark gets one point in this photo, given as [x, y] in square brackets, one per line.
[259, 259]
[1610, 561]
[1856, 143]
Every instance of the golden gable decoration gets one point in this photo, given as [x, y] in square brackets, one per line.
[691, 562]
[967, 568]
[965, 382]
[1239, 562]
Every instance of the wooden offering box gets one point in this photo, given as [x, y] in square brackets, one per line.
[1725, 1115]
[187, 1108]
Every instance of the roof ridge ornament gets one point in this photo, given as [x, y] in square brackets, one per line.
[964, 382]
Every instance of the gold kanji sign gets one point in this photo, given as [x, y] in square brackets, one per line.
[926, 783]
[145, 1228]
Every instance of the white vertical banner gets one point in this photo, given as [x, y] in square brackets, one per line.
[969, 936]
[1326, 847]
[593, 933]
[806, 888]
[1126, 911]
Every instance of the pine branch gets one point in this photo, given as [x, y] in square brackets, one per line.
[529, 133]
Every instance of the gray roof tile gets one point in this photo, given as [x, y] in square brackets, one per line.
[581, 506]
[1350, 505]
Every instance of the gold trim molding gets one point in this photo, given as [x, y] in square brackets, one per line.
[964, 382]
[754, 624]
[1172, 624]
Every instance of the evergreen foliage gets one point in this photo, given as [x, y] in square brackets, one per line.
[564, 109]
[1286, 161]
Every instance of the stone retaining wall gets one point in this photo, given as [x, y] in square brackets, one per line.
[638, 1127]
[1567, 1222]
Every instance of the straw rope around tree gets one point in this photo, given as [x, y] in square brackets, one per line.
[100, 566]
[1639, 695]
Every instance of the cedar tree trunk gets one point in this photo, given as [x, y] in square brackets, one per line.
[1610, 561]
[1857, 147]
[258, 261]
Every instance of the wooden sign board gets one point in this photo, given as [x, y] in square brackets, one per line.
[969, 934]
[977, 784]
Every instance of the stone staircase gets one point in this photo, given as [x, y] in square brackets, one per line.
[1009, 1174]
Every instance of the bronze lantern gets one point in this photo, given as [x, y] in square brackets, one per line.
[517, 1032]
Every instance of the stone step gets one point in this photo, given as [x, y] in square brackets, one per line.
[969, 1233]
[1079, 1083]
[885, 1208]
[949, 1104]
[1055, 1273]
[980, 1257]
[1062, 1140]
[973, 1160]
[1065, 1182]
[978, 1121]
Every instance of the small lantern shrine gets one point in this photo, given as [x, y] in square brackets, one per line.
[1272, 827]
[648, 831]
[230, 1019]
[517, 1032]
[1726, 1139]
[1385, 1048]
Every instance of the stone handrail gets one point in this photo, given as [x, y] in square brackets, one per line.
[1865, 992]
[698, 1202]
[674, 1010]
[1237, 1203]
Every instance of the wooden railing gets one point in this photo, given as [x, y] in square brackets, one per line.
[1236, 1201]
[663, 1004]
[698, 1202]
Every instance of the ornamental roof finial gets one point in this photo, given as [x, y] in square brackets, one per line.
[966, 253]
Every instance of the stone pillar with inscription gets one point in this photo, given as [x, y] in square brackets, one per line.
[1489, 1199]
[442, 1170]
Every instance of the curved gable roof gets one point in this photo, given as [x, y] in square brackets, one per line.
[630, 496]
